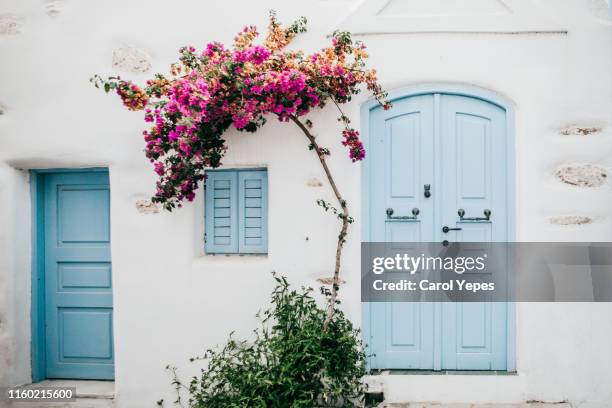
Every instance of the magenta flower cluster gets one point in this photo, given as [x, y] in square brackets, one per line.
[351, 140]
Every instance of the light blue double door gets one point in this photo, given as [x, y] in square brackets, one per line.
[78, 301]
[438, 153]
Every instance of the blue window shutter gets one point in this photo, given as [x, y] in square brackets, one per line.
[253, 211]
[221, 212]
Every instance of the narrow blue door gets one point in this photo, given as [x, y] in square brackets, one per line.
[473, 179]
[400, 155]
[78, 284]
[455, 147]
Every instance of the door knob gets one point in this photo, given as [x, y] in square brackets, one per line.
[427, 190]
[445, 229]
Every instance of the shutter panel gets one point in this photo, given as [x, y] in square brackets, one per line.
[220, 211]
[253, 211]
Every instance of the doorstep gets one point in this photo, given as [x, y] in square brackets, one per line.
[474, 389]
[89, 394]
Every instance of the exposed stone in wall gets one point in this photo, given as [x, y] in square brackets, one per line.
[575, 130]
[314, 182]
[53, 8]
[582, 175]
[329, 280]
[146, 207]
[571, 220]
[131, 59]
[10, 24]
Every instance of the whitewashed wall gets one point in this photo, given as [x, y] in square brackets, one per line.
[172, 301]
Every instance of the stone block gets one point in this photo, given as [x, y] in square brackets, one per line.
[571, 220]
[10, 24]
[146, 207]
[582, 175]
[576, 130]
[131, 59]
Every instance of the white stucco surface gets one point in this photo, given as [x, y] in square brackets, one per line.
[171, 301]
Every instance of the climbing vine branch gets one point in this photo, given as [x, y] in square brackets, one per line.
[343, 215]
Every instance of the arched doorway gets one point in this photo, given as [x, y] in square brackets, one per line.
[439, 149]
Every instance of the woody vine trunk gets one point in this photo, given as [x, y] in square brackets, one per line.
[343, 216]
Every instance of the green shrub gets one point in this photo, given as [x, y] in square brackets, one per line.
[292, 361]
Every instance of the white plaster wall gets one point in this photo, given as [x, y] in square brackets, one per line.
[14, 276]
[171, 301]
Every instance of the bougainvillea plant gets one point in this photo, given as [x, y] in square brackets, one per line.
[211, 90]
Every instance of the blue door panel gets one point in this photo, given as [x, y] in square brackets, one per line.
[78, 277]
[457, 145]
[402, 333]
[473, 164]
[95, 276]
[402, 151]
[474, 336]
[473, 169]
[95, 323]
